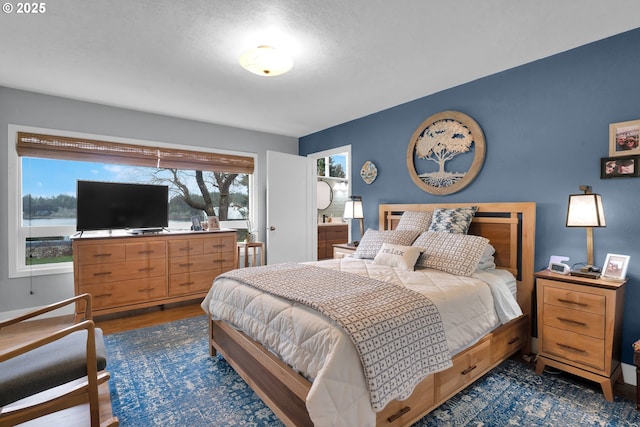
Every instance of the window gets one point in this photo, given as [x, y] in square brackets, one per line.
[46, 168]
[334, 166]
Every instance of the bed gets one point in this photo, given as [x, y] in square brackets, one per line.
[510, 228]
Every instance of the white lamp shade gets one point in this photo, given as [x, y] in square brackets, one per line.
[585, 210]
[353, 209]
[266, 61]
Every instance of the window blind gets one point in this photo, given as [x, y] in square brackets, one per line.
[81, 149]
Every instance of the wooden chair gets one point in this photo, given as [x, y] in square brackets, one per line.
[56, 371]
[636, 361]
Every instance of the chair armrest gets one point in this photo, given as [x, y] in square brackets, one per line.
[86, 297]
[91, 341]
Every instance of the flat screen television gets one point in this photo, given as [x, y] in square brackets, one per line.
[114, 206]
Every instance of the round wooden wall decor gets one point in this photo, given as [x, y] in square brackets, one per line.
[437, 141]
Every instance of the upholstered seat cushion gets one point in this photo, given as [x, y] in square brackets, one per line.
[636, 354]
[48, 366]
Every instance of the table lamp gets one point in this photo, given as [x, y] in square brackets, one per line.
[353, 210]
[586, 210]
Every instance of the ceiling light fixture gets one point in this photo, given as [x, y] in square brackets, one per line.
[266, 61]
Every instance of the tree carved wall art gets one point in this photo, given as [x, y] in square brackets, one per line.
[449, 136]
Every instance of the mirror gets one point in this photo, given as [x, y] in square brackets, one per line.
[325, 194]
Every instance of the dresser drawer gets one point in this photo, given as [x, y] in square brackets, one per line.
[121, 271]
[573, 347]
[179, 248]
[202, 262]
[507, 342]
[219, 244]
[100, 254]
[402, 412]
[126, 291]
[336, 232]
[576, 300]
[145, 250]
[580, 322]
[466, 368]
[192, 282]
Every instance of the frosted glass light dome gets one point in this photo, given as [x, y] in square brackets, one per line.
[266, 61]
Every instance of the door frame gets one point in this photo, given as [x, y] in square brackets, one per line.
[313, 158]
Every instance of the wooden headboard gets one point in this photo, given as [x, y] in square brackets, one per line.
[510, 227]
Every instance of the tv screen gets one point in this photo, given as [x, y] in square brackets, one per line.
[112, 205]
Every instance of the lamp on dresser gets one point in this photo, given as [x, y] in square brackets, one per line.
[353, 210]
[586, 210]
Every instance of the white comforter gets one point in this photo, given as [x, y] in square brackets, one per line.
[318, 349]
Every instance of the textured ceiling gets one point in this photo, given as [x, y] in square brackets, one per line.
[352, 57]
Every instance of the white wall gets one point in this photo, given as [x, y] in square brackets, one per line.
[32, 109]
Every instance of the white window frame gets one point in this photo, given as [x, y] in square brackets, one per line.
[17, 234]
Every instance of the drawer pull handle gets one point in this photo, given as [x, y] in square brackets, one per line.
[513, 340]
[187, 248]
[186, 284]
[186, 264]
[102, 255]
[568, 347]
[145, 290]
[469, 369]
[146, 269]
[103, 273]
[102, 296]
[398, 414]
[566, 301]
[575, 322]
[218, 260]
[147, 252]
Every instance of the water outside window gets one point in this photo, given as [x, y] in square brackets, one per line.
[49, 200]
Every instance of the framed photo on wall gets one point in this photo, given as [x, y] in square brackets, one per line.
[615, 267]
[624, 138]
[619, 167]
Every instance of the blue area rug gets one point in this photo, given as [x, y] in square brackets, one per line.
[164, 376]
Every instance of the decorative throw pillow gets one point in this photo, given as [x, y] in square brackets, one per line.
[403, 257]
[372, 241]
[456, 220]
[415, 220]
[453, 253]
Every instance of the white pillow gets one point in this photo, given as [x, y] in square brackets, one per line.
[372, 241]
[487, 261]
[403, 257]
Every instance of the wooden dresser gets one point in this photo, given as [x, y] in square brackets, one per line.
[580, 326]
[124, 272]
[329, 235]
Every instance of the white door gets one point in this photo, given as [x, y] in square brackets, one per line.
[289, 207]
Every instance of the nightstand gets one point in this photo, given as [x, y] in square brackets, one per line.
[580, 327]
[343, 250]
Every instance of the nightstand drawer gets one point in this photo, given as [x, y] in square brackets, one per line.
[573, 347]
[581, 301]
[574, 320]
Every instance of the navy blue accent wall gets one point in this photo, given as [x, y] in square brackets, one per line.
[546, 126]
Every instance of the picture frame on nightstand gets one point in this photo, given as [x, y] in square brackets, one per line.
[615, 267]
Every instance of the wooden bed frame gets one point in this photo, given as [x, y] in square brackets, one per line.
[511, 229]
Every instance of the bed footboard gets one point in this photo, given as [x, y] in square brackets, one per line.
[285, 391]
